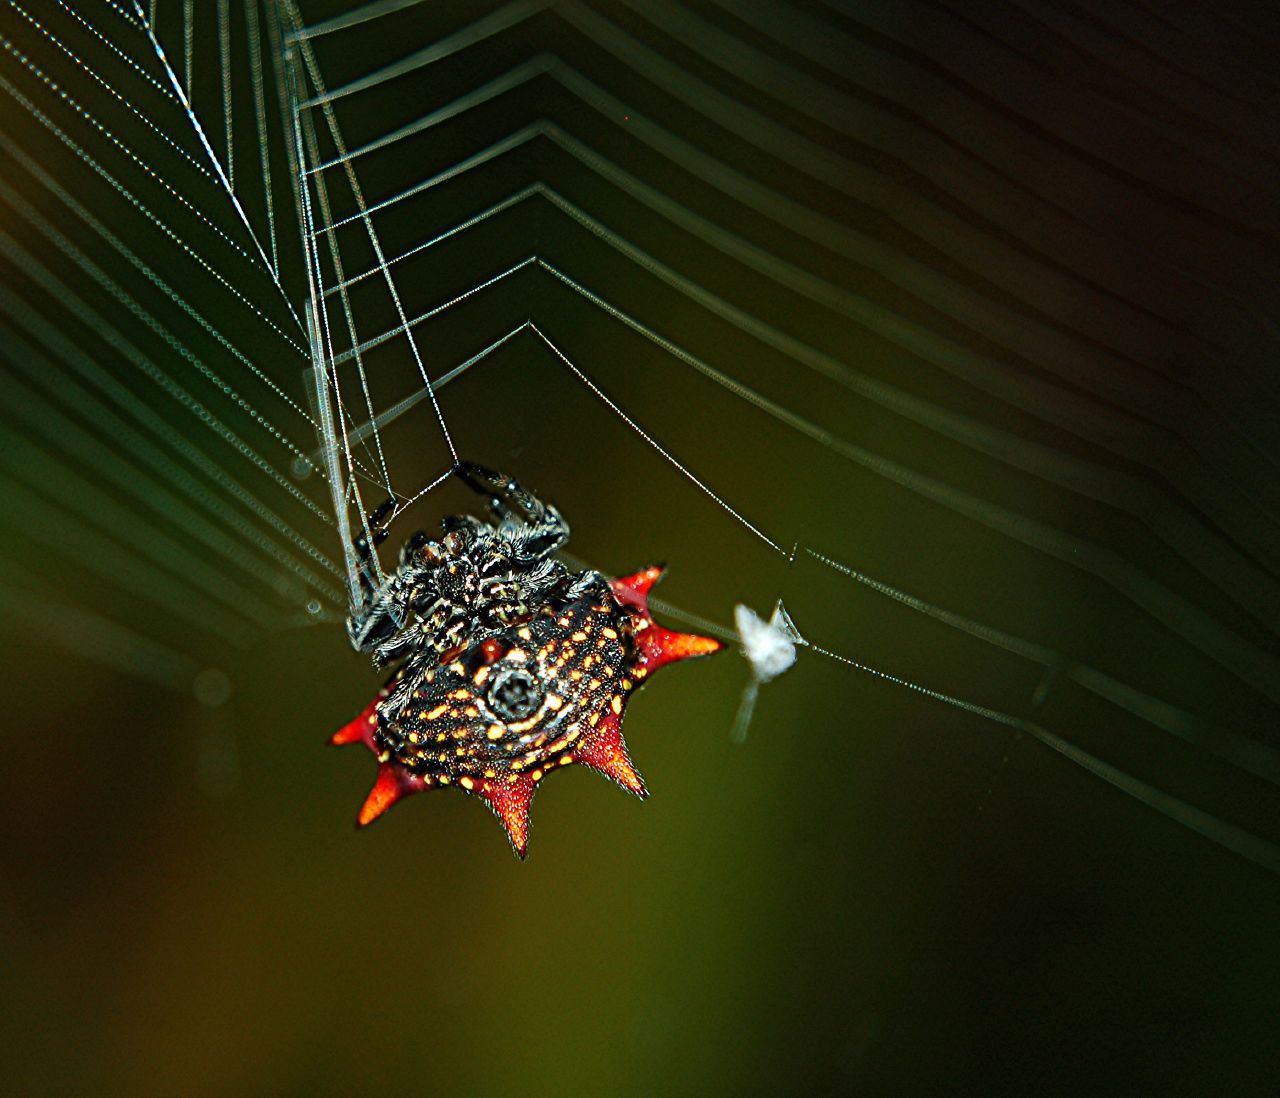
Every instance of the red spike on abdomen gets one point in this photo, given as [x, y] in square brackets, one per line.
[656, 646]
[510, 803]
[359, 730]
[634, 590]
[393, 784]
[603, 749]
[385, 793]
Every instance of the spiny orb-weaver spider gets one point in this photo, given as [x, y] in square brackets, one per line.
[507, 664]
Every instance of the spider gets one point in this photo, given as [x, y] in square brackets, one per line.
[507, 664]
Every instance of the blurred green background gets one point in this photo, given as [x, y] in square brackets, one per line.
[874, 894]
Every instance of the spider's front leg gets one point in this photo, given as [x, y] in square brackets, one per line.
[372, 622]
[534, 529]
[371, 535]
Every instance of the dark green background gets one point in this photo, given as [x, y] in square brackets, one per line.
[876, 894]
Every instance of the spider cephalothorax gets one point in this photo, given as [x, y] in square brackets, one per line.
[479, 577]
[509, 665]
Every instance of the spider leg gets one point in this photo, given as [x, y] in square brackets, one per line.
[506, 497]
[374, 533]
[536, 529]
[368, 622]
[372, 625]
[390, 650]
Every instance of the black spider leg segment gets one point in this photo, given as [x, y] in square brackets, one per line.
[534, 529]
[377, 618]
[370, 537]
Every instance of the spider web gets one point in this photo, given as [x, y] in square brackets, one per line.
[267, 265]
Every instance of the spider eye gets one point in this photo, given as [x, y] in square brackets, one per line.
[515, 694]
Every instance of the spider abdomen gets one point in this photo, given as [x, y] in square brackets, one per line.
[518, 700]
